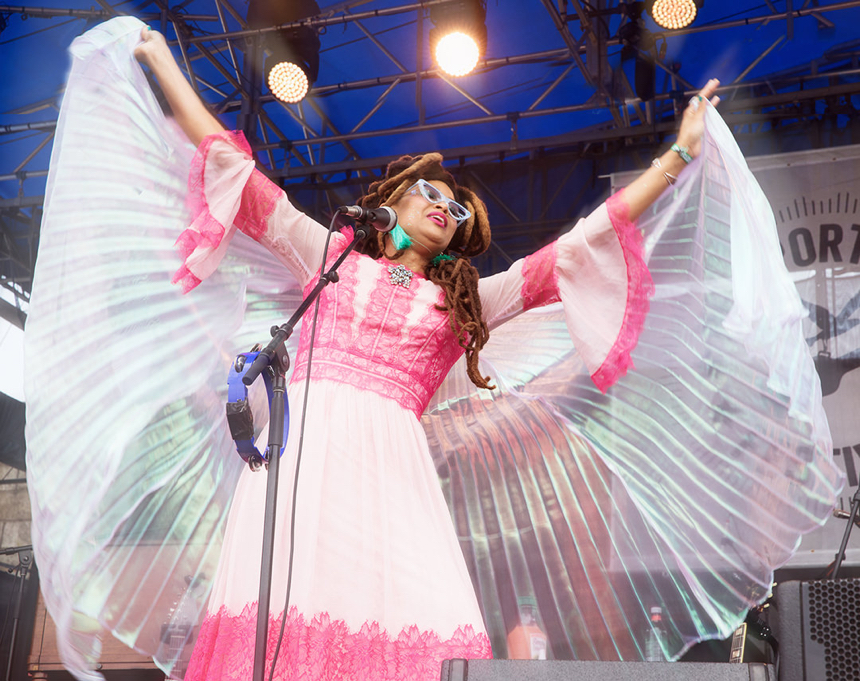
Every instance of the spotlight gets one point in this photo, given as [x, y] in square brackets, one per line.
[293, 60]
[460, 35]
[674, 14]
[457, 53]
[293, 64]
[288, 82]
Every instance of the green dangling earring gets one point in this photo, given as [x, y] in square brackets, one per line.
[441, 258]
[399, 238]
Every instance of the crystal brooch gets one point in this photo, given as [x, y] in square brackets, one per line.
[400, 275]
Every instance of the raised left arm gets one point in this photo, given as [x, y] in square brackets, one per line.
[645, 189]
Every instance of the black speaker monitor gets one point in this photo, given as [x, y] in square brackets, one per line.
[817, 625]
[562, 670]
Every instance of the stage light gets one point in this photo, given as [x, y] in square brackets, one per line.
[457, 54]
[293, 60]
[460, 35]
[293, 63]
[288, 82]
[674, 14]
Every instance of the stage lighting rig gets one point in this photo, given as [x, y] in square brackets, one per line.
[459, 37]
[674, 14]
[292, 61]
[638, 45]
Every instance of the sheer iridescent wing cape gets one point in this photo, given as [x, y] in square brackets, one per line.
[130, 466]
[682, 487]
[689, 481]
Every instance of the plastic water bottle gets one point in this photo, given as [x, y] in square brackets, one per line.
[527, 641]
[655, 641]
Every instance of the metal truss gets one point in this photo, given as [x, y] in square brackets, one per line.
[500, 126]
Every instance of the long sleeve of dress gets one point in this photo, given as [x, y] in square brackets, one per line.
[598, 271]
[226, 193]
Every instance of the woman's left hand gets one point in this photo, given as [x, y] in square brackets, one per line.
[152, 46]
[693, 122]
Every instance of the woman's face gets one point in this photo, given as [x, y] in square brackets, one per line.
[427, 222]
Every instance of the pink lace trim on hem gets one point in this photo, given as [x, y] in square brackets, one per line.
[540, 278]
[322, 648]
[640, 287]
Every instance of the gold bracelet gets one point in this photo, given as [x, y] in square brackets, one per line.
[670, 179]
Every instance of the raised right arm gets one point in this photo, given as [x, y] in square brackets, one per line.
[225, 189]
[189, 111]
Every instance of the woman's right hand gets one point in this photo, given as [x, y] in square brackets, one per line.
[153, 45]
[186, 107]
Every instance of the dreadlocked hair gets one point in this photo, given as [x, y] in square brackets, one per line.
[457, 278]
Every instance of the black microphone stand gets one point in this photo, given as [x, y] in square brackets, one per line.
[274, 359]
[25, 562]
[852, 518]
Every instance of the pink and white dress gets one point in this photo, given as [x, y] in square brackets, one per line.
[380, 588]
[681, 484]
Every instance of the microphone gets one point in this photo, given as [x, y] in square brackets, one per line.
[381, 219]
[845, 515]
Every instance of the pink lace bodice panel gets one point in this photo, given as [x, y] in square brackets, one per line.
[378, 336]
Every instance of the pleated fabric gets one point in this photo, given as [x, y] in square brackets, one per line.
[682, 487]
[688, 482]
[130, 466]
